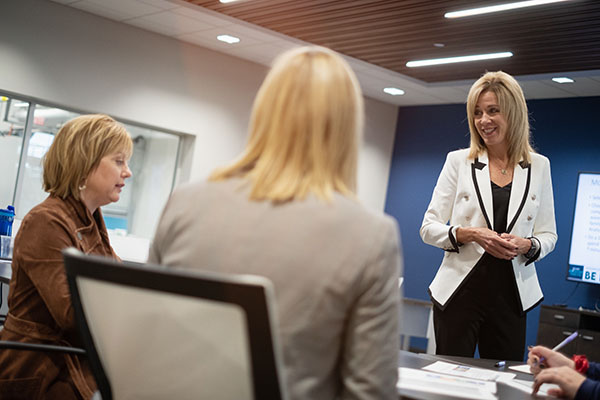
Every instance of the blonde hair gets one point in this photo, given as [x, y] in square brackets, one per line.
[304, 130]
[77, 150]
[512, 106]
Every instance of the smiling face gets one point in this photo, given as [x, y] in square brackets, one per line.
[104, 184]
[489, 121]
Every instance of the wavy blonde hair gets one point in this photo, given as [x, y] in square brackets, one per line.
[304, 129]
[77, 150]
[512, 106]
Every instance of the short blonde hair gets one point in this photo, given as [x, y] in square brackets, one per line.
[77, 150]
[304, 130]
[512, 106]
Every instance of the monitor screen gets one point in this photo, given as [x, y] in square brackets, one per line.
[584, 253]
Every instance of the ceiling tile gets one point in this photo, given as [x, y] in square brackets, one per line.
[203, 15]
[541, 90]
[581, 87]
[162, 4]
[116, 9]
[209, 38]
[256, 34]
[174, 24]
[450, 94]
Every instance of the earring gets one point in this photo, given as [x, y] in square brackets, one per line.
[82, 187]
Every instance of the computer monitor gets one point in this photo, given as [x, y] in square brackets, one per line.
[584, 252]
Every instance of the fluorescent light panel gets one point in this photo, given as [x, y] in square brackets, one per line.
[393, 91]
[499, 7]
[228, 39]
[450, 60]
[227, 1]
[563, 79]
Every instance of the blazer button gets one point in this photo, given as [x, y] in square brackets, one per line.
[466, 198]
[529, 218]
[533, 197]
[468, 218]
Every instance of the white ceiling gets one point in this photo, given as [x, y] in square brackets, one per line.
[200, 26]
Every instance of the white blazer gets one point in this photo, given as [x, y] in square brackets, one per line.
[463, 198]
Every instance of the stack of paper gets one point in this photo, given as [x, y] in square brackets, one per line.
[469, 372]
[430, 382]
[461, 381]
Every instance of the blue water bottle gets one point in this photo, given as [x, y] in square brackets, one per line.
[6, 220]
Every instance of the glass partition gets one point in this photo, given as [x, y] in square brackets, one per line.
[45, 124]
[132, 220]
[13, 115]
[153, 165]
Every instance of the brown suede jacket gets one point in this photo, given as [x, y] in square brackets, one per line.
[40, 309]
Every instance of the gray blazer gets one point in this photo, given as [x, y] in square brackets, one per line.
[335, 270]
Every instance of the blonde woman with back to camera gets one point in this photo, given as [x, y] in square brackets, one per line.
[492, 211]
[84, 169]
[286, 209]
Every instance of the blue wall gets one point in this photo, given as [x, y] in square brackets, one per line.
[567, 131]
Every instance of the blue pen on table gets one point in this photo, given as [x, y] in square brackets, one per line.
[562, 344]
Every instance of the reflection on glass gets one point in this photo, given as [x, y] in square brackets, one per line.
[145, 194]
[46, 123]
[13, 114]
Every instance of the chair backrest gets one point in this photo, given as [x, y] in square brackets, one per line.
[157, 333]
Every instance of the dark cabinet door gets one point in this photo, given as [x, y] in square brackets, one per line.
[550, 335]
[588, 343]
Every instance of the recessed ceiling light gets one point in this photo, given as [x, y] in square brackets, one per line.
[563, 79]
[393, 91]
[227, 1]
[450, 60]
[499, 7]
[440, 45]
[228, 39]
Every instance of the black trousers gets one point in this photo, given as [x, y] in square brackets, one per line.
[485, 311]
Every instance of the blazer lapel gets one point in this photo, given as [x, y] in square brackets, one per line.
[518, 192]
[483, 187]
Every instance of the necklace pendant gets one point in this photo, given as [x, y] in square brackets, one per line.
[503, 171]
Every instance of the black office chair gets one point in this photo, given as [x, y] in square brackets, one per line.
[153, 332]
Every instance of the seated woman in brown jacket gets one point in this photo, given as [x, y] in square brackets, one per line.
[85, 168]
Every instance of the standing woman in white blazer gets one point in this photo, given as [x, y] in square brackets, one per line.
[492, 211]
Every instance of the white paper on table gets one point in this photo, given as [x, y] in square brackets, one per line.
[527, 386]
[429, 382]
[522, 368]
[469, 372]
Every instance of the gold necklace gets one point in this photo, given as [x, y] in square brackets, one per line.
[504, 170]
